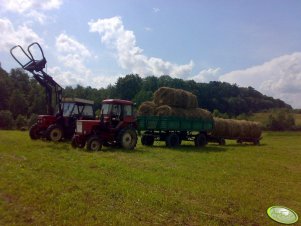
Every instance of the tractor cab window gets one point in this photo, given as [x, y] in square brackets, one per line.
[116, 110]
[106, 109]
[68, 109]
[128, 110]
[88, 111]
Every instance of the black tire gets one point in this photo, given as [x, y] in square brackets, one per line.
[172, 140]
[256, 142]
[222, 141]
[239, 141]
[34, 132]
[147, 140]
[54, 133]
[200, 140]
[127, 138]
[94, 144]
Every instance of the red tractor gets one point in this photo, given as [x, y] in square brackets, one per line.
[116, 127]
[59, 125]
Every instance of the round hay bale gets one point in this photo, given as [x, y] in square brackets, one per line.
[255, 130]
[147, 108]
[175, 98]
[220, 127]
[163, 110]
[179, 112]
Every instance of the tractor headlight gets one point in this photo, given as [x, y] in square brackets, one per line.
[79, 127]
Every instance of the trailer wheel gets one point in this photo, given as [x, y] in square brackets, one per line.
[34, 132]
[127, 138]
[172, 140]
[54, 133]
[200, 140]
[94, 144]
[222, 141]
[147, 140]
[256, 142]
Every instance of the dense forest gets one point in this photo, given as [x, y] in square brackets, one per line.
[21, 94]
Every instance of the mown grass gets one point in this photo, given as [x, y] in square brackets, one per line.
[43, 183]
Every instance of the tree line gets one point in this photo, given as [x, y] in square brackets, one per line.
[23, 98]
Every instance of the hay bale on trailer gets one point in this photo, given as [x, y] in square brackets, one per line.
[236, 129]
[199, 113]
[165, 110]
[175, 98]
[147, 108]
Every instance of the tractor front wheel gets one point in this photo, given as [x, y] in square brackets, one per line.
[128, 138]
[34, 132]
[54, 133]
[94, 144]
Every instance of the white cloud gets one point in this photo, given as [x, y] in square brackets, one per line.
[206, 75]
[72, 53]
[129, 55]
[155, 10]
[72, 78]
[21, 35]
[21, 6]
[31, 8]
[279, 77]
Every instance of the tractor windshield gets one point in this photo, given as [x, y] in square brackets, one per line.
[106, 109]
[67, 109]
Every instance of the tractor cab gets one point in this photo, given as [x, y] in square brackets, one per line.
[115, 112]
[77, 108]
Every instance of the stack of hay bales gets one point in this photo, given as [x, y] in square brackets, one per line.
[230, 128]
[173, 102]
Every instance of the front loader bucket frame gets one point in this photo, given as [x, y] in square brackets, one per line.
[35, 67]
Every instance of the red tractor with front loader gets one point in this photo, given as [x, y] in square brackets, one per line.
[116, 127]
[60, 121]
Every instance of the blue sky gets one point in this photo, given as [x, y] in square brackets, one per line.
[250, 43]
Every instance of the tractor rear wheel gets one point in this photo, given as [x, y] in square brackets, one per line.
[34, 132]
[172, 140]
[127, 138]
[54, 133]
[200, 140]
[94, 143]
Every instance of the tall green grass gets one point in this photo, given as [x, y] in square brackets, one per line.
[43, 183]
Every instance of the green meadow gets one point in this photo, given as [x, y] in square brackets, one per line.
[44, 183]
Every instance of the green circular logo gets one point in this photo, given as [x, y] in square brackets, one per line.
[282, 214]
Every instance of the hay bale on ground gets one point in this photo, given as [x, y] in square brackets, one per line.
[175, 98]
[147, 108]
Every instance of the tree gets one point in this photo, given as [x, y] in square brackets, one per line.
[6, 120]
[128, 86]
[280, 120]
[21, 121]
[18, 104]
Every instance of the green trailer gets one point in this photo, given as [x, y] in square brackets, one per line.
[173, 130]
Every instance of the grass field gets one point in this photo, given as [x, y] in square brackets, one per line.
[263, 116]
[43, 183]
